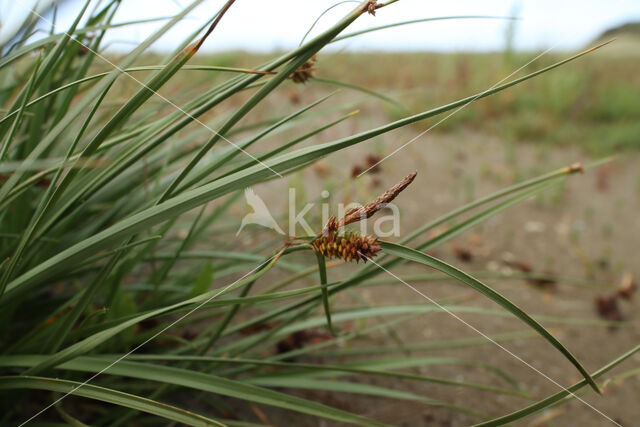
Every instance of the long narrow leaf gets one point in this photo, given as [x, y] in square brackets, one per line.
[422, 258]
[107, 395]
[204, 382]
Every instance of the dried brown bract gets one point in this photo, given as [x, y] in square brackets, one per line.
[304, 72]
[43, 183]
[368, 210]
[627, 287]
[576, 167]
[545, 281]
[371, 7]
[83, 50]
[608, 308]
[463, 254]
[355, 171]
[349, 247]
[294, 97]
[522, 266]
[373, 163]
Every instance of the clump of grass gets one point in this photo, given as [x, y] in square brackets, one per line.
[107, 201]
[594, 105]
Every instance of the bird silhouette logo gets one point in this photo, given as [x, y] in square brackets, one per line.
[260, 214]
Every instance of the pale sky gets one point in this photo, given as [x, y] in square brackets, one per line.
[259, 25]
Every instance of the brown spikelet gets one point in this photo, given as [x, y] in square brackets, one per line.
[304, 72]
[349, 247]
[366, 211]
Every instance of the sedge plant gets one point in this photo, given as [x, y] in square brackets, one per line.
[101, 304]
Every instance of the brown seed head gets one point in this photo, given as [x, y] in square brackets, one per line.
[304, 72]
[350, 246]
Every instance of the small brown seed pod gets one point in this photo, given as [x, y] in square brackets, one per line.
[304, 72]
[350, 246]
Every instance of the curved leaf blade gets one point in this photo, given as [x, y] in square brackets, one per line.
[422, 258]
[107, 395]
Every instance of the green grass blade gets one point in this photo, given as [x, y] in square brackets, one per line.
[297, 369]
[95, 340]
[414, 21]
[130, 70]
[230, 152]
[19, 112]
[242, 179]
[289, 144]
[46, 200]
[322, 272]
[564, 394]
[490, 198]
[16, 54]
[89, 98]
[357, 388]
[307, 51]
[115, 397]
[422, 258]
[205, 382]
[360, 89]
